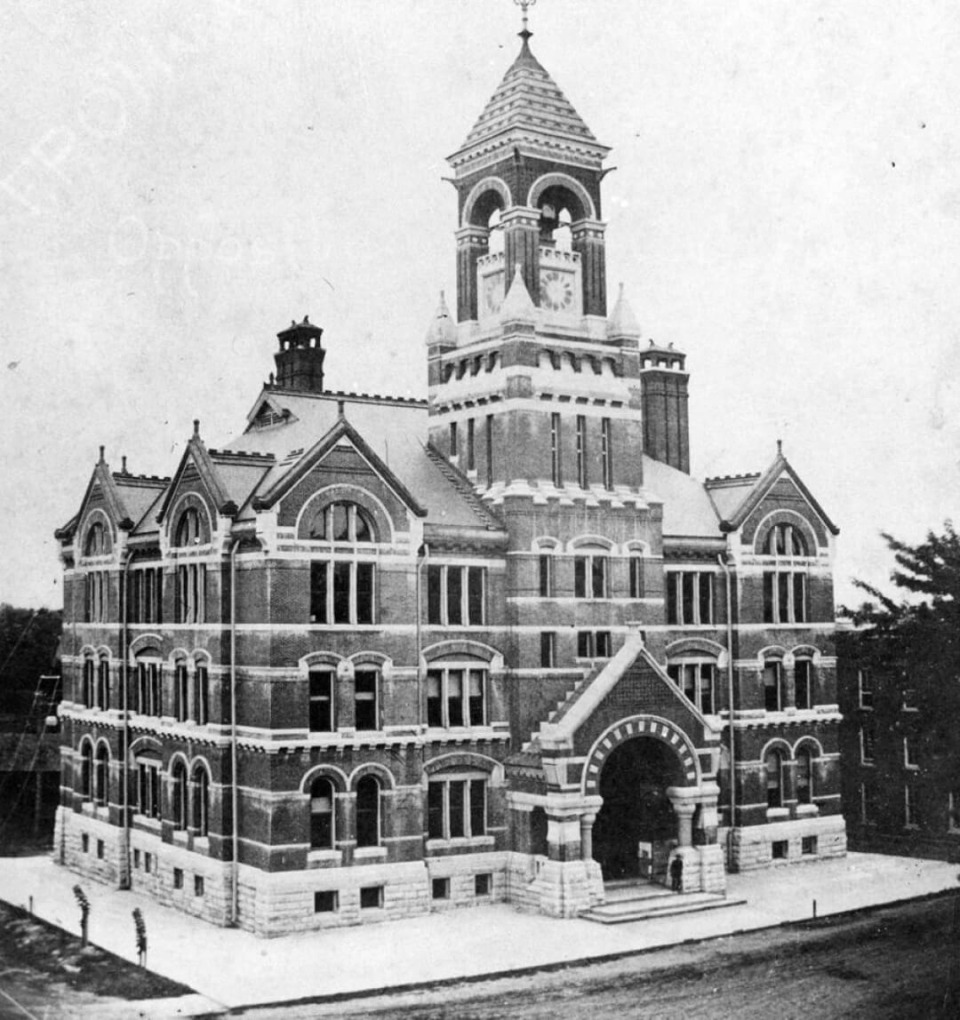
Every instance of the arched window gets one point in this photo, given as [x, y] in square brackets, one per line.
[86, 769]
[786, 540]
[342, 522]
[178, 779]
[495, 237]
[96, 543]
[88, 684]
[803, 683]
[773, 700]
[773, 767]
[785, 590]
[457, 805]
[805, 776]
[103, 684]
[201, 801]
[368, 812]
[101, 788]
[321, 815]
[188, 528]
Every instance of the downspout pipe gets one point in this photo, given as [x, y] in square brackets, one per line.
[723, 561]
[423, 554]
[124, 882]
[234, 797]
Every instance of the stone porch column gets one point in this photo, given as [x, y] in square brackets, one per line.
[684, 812]
[586, 836]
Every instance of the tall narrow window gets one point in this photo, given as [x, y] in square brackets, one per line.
[321, 700]
[181, 694]
[867, 741]
[772, 694]
[103, 684]
[321, 815]
[180, 799]
[368, 812]
[545, 564]
[201, 696]
[86, 769]
[102, 778]
[201, 801]
[635, 567]
[803, 683]
[556, 465]
[773, 767]
[471, 451]
[804, 776]
[454, 446]
[582, 451]
[548, 649]
[366, 709]
[865, 688]
[606, 453]
[489, 449]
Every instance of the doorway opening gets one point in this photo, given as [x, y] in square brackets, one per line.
[636, 827]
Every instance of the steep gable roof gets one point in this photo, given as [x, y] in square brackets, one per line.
[342, 429]
[196, 453]
[687, 509]
[740, 500]
[390, 432]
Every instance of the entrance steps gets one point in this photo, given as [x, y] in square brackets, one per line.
[642, 901]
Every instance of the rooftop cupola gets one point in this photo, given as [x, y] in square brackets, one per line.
[300, 358]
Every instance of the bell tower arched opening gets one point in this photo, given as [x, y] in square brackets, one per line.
[637, 826]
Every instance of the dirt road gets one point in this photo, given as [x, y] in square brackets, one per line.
[893, 964]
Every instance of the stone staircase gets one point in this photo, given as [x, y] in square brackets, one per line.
[643, 901]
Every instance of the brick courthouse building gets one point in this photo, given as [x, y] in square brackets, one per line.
[381, 656]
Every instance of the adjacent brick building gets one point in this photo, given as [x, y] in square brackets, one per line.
[378, 656]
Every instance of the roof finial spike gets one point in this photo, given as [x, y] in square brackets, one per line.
[340, 409]
[102, 448]
[123, 464]
[196, 428]
[525, 32]
[779, 447]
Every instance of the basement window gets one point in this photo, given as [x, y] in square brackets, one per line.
[441, 889]
[778, 849]
[371, 897]
[325, 901]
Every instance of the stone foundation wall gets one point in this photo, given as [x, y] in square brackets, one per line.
[758, 845]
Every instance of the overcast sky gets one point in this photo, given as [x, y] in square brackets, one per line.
[180, 180]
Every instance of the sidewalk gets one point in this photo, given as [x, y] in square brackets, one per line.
[235, 968]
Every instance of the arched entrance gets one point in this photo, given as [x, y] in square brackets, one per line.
[636, 809]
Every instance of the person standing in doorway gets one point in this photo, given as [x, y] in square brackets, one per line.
[676, 874]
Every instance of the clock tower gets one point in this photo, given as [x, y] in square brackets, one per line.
[534, 390]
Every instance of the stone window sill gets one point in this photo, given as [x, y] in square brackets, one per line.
[472, 843]
[807, 810]
[370, 853]
[778, 814]
[317, 858]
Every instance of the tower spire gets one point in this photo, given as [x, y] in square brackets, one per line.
[525, 32]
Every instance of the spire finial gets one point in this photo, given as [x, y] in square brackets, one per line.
[779, 447]
[525, 33]
[196, 428]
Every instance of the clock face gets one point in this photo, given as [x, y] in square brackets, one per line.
[556, 290]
